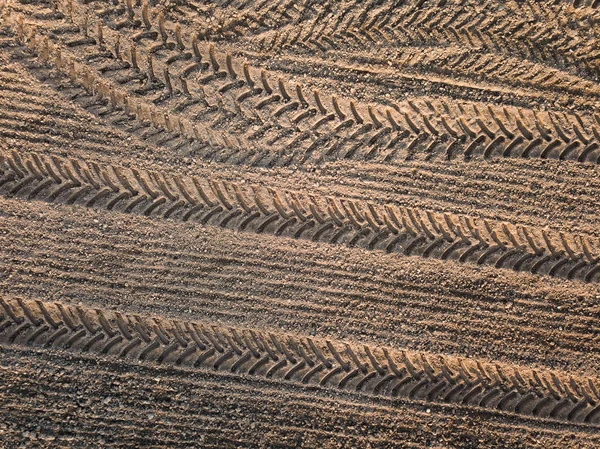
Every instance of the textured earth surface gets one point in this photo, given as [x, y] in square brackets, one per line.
[272, 224]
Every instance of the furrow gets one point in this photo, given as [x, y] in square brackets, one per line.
[139, 394]
[363, 132]
[300, 360]
[333, 220]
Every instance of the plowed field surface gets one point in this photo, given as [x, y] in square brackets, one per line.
[318, 224]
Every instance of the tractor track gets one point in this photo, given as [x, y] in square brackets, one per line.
[373, 371]
[293, 214]
[253, 223]
[180, 394]
[304, 124]
[382, 298]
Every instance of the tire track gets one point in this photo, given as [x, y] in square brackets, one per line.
[291, 214]
[573, 341]
[570, 192]
[136, 393]
[328, 283]
[370, 134]
[391, 301]
[351, 25]
[338, 36]
[457, 69]
[233, 280]
[302, 360]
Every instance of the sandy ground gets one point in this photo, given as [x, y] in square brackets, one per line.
[316, 224]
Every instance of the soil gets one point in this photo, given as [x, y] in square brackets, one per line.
[299, 224]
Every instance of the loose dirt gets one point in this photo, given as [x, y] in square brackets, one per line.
[299, 224]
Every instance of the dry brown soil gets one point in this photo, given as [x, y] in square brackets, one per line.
[317, 223]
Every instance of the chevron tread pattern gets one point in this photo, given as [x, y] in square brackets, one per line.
[298, 215]
[304, 360]
[307, 126]
[353, 219]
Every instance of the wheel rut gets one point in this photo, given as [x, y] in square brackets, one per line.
[292, 214]
[336, 223]
[329, 364]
